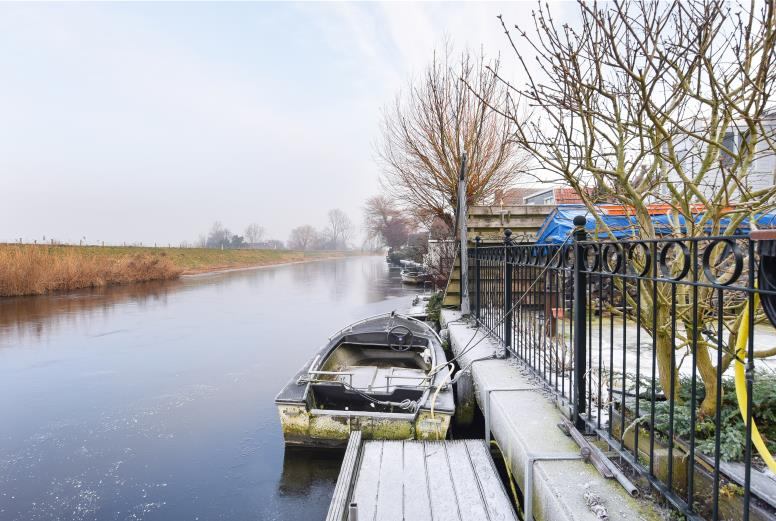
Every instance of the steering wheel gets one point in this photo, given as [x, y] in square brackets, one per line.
[404, 341]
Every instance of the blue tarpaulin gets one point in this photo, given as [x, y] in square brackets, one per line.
[559, 224]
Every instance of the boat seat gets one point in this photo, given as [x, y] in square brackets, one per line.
[401, 376]
[363, 375]
[384, 379]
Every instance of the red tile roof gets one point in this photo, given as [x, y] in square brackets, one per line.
[567, 196]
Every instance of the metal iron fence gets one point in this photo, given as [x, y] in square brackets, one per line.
[643, 339]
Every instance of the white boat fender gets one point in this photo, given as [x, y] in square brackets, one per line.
[444, 334]
[426, 354]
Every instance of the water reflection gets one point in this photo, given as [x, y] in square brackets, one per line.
[37, 315]
[155, 401]
[302, 469]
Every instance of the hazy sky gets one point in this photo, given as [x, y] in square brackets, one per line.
[147, 122]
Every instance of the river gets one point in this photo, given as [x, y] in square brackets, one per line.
[155, 401]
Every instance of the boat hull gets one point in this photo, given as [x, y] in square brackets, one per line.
[318, 428]
[415, 279]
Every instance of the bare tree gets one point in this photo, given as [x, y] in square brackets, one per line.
[656, 102]
[372, 243]
[219, 236]
[340, 229]
[439, 259]
[303, 238]
[428, 128]
[254, 233]
[384, 220]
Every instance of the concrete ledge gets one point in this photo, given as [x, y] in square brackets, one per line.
[524, 423]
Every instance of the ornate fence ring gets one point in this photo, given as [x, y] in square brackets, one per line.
[647, 257]
[533, 256]
[608, 250]
[556, 254]
[586, 248]
[664, 251]
[543, 256]
[738, 257]
[567, 254]
[522, 255]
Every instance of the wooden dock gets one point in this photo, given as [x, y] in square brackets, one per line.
[419, 480]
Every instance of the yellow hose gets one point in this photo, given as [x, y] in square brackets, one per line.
[741, 394]
[509, 475]
[436, 393]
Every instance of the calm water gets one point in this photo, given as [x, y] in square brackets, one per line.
[155, 401]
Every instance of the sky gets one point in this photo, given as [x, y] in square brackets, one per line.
[146, 122]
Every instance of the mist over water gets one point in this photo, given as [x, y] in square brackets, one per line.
[155, 401]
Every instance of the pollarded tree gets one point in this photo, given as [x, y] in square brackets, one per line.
[666, 102]
[429, 127]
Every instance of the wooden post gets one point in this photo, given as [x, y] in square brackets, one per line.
[465, 309]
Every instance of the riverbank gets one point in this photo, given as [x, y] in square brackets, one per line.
[40, 269]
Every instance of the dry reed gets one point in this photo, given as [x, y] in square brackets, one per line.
[35, 270]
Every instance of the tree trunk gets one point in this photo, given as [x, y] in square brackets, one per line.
[709, 376]
[664, 345]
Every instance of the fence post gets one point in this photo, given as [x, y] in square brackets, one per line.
[580, 317]
[462, 217]
[507, 293]
[477, 277]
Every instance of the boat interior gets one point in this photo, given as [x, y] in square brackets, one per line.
[376, 370]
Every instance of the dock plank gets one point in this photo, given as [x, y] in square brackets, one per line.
[368, 480]
[452, 480]
[470, 501]
[417, 502]
[444, 504]
[390, 496]
[496, 501]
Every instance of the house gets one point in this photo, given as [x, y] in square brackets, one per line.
[264, 245]
[539, 194]
[761, 174]
[555, 195]
[515, 196]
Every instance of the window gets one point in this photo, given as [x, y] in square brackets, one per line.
[729, 142]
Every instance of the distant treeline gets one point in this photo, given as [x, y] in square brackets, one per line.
[336, 234]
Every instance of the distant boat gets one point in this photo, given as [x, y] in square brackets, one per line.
[385, 376]
[414, 276]
[393, 259]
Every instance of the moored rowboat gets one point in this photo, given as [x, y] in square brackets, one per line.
[386, 376]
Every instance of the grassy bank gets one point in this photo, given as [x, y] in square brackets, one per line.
[40, 269]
